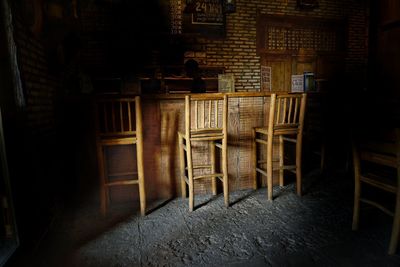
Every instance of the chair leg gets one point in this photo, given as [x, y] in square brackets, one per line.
[102, 175]
[298, 164]
[281, 160]
[396, 227]
[254, 159]
[323, 154]
[140, 164]
[213, 167]
[191, 194]
[225, 171]
[190, 174]
[357, 189]
[356, 209]
[269, 166]
[103, 200]
[182, 166]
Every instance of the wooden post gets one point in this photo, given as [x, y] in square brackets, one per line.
[281, 159]
[139, 153]
[269, 145]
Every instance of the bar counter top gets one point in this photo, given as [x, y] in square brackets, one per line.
[173, 96]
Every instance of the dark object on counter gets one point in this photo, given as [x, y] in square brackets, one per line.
[192, 71]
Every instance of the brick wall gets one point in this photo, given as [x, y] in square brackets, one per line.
[96, 22]
[237, 52]
[34, 154]
[38, 84]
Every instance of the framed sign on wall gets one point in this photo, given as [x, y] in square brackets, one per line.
[205, 17]
[208, 12]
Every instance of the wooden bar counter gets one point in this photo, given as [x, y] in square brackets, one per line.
[163, 116]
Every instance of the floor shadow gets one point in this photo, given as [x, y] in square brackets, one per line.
[158, 205]
[213, 198]
[241, 198]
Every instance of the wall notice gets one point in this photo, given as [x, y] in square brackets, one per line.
[297, 84]
[266, 78]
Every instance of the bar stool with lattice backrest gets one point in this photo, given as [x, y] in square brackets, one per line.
[118, 123]
[286, 119]
[205, 121]
[376, 160]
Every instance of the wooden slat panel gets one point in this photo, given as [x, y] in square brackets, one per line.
[152, 149]
[233, 142]
[169, 161]
[251, 115]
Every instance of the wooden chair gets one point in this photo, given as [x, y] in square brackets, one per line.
[119, 122]
[205, 121]
[286, 117]
[376, 162]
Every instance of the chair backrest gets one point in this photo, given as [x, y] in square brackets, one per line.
[380, 147]
[287, 111]
[205, 113]
[118, 116]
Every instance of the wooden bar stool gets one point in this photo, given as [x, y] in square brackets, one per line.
[119, 122]
[286, 117]
[205, 121]
[376, 162]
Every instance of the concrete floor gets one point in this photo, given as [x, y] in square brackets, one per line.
[313, 230]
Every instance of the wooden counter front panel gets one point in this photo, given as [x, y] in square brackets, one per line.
[163, 118]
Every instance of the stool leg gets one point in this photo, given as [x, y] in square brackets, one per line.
[356, 209]
[225, 170]
[357, 189]
[103, 187]
[190, 174]
[142, 192]
[298, 163]
[254, 159]
[191, 193]
[269, 166]
[396, 226]
[323, 151]
[213, 167]
[281, 160]
[182, 166]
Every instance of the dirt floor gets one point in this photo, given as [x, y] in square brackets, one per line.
[312, 230]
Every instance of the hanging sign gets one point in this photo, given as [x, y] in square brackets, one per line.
[208, 12]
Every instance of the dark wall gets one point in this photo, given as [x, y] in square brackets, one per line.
[119, 36]
[34, 153]
[379, 103]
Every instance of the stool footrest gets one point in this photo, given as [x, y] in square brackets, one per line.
[261, 171]
[211, 175]
[218, 145]
[202, 167]
[261, 141]
[377, 205]
[293, 140]
[122, 182]
[286, 167]
[122, 174]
